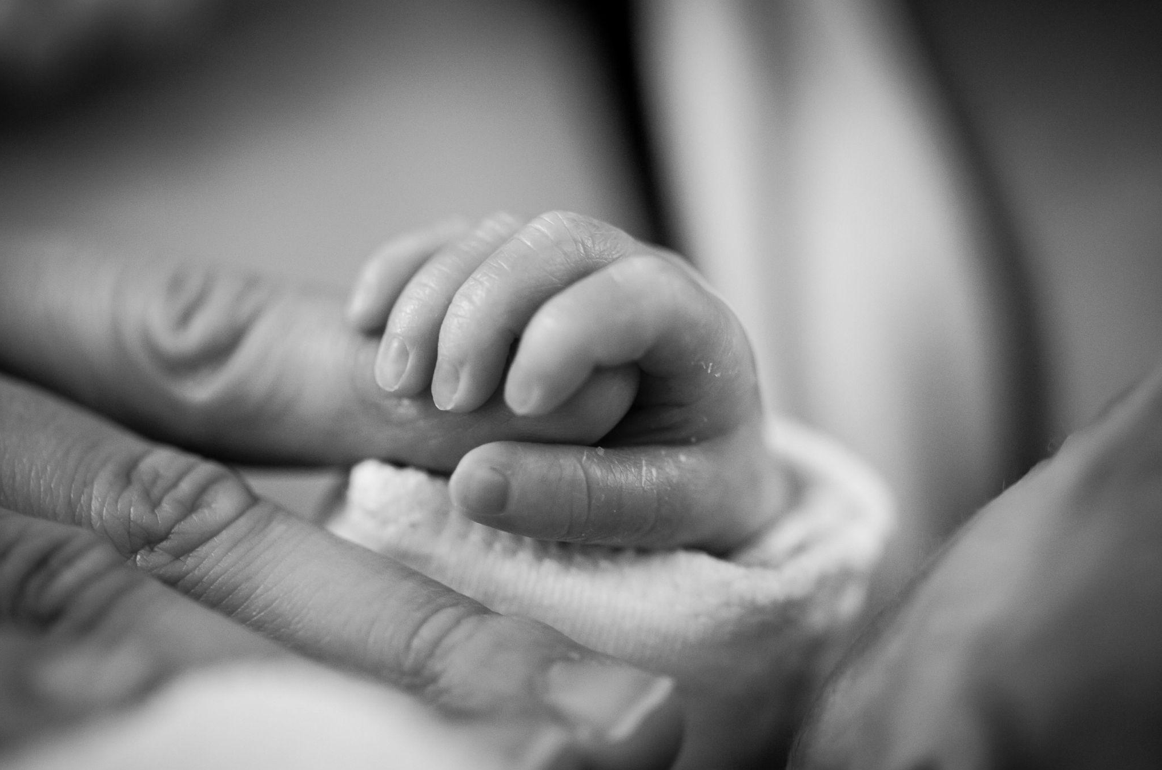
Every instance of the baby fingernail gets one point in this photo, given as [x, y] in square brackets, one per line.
[614, 701]
[524, 400]
[445, 383]
[479, 491]
[392, 364]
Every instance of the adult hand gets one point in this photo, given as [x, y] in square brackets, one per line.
[581, 300]
[1035, 639]
[95, 638]
[210, 362]
[239, 369]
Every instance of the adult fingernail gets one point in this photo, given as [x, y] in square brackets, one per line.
[612, 701]
[392, 364]
[445, 383]
[480, 491]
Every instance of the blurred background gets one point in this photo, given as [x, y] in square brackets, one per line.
[940, 221]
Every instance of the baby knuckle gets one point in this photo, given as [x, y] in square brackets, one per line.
[472, 297]
[607, 243]
[482, 299]
[587, 240]
[426, 291]
[557, 235]
[539, 239]
[483, 240]
[559, 222]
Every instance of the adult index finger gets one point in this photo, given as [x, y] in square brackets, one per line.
[84, 635]
[196, 526]
[240, 368]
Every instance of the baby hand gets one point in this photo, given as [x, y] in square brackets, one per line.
[686, 463]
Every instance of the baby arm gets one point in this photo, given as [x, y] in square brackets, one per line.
[565, 297]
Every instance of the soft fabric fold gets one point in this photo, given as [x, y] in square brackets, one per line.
[745, 636]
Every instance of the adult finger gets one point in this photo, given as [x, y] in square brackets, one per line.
[407, 355]
[72, 582]
[712, 495]
[86, 635]
[239, 368]
[384, 274]
[89, 634]
[195, 526]
[492, 307]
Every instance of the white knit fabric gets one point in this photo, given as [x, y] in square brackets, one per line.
[742, 635]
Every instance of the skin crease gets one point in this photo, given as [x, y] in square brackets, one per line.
[240, 369]
[244, 369]
[201, 357]
[1033, 640]
[160, 516]
[63, 662]
[578, 300]
[81, 633]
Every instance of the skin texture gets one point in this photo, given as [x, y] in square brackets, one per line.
[1033, 640]
[231, 366]
[533, 313]
[83, 635]
[237, 367]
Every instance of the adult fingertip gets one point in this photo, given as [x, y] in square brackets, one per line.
[625, 717]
